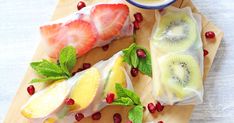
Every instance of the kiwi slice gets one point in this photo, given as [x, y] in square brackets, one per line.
[180, 72]
[176, 31]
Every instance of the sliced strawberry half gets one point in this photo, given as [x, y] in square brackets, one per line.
[78, 33]
[109, 19]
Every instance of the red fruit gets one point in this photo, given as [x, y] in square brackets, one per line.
[205, 52]
[159, 107]
[136, 25]
[161, 10]
[117, 118]
[110, 98]
[86, 66]
[109, 19]
[96, 116]
[79, 116]
[151, 108]
[105, 47]
[31, 90]
[134, 72]
[81, 5]
[69, 101]
[138, 17]
[210, 34]
[78, 33]
[141, 53]
[160, 121]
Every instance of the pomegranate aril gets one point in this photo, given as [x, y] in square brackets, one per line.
[110, 98]
[96, 116]
[138, 17]
[151, 108]
[159, 107]
[105, 47]
[141, 53]
[81, 5]
[117, 118]
[205, 52]
[86, 66]
[134, 72]
[69, 101]
[136, 25]
[160, 121]
[31, 90]
[79, 116]
[210, 34]
[160, 10]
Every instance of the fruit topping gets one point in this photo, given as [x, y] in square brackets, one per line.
[159, 107]
[136, 25]
[81, 5]
[138, 17]
[205, 52]
[97, 116]
[69, 101]
[86, 66]
[134, 72]
[110, 98]
[105, 47]
[117, 118]
[210, 35]
[31, 90]
[79, 117]
[141, 53]
[151, 108]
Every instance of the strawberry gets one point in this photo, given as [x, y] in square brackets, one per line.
[78, 33]
[109, 19]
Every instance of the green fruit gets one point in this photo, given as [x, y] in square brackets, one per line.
[180, 73]
[176, 31]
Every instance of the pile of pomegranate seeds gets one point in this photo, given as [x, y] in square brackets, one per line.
[69, 101]
[105, 47]
[210, 35]
[152, 108]
[138, 19]
[205, 52]
[81, 5]
[31, 90]
[134, 72]
[79, 116]
[96, 116]
[141, 53]
[110, 98]
[117, 118]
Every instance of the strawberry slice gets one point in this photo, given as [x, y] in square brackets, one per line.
[109, 19]
[78, 33]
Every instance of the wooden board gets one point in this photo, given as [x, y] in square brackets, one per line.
[171, 114]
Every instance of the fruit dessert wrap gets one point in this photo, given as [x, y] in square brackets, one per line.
[177, 57]
[93, 26]
[87, 89]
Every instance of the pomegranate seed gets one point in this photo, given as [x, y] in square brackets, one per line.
[151, 108]
[31, 90]
[69, 101]
[138, 17]
[160, 10]
[80, 5]
[141, 53]
[79, 116]
[160, 121]
[159, 107]
[110, 98]
[117, 118]
[136, 25]
[105, 47]
[86, 66]
[134, 72]
[96, 116]
[210, 34]
[205, 52]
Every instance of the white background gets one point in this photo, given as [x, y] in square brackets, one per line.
[19, 37]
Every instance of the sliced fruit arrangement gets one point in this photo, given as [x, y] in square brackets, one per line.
[105, 23]
[176, 31]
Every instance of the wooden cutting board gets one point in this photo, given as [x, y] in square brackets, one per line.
[142, 84]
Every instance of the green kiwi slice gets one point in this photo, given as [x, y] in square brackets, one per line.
[177, 31]
[180, 73]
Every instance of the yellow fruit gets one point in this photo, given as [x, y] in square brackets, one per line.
[50, 120]
[85, 89]
[116, 75]
[46, 101]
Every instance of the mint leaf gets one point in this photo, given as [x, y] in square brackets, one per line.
[67, 59]
[136, 114]
[127, 53]
[46, 68]
[122, 92]
[53, 78]
[125, 101]
[134, 58]
[145, 64]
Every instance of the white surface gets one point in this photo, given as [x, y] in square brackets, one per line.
[19, 37]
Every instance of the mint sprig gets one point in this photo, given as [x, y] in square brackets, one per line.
[51, 71]
[127, 97]
[143, 64]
